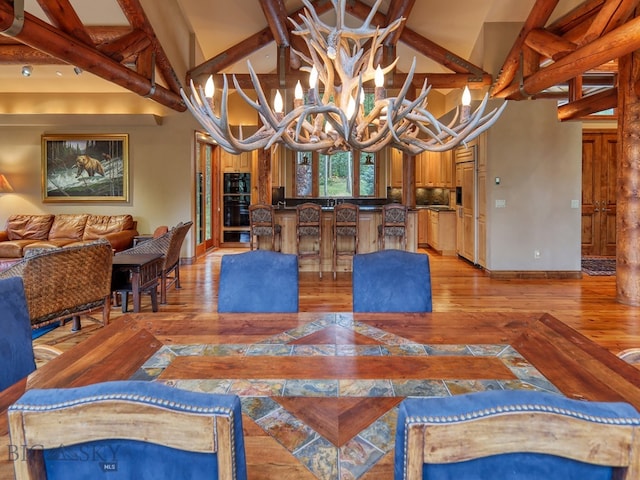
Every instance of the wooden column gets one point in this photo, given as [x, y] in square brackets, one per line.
[628, 196]
[264, 175]
[409, 180]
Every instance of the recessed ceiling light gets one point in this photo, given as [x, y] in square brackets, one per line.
[26, 70]
[58, 73]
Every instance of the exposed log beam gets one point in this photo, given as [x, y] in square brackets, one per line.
[245, 48]
[397, 9]
[276, 16]
[138, 20]
[99, 34]
[588, 105]
[613, 14]
[576, 17]
[45, 37]
[126, 46]
[619, 42]
[548, 44]
[537, 18]
[436, 80]
[419, 43]
[62, 15]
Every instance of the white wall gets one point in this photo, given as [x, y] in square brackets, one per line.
[539, 162]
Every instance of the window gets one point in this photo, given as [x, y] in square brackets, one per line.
[335, 175]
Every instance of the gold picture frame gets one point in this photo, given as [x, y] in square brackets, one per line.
[85, 168]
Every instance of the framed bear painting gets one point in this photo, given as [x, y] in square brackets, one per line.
[85, 168]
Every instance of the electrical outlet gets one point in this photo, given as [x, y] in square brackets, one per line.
[536, 254]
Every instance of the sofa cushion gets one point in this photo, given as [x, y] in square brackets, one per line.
[31, 227]
[47, 245]
[68, 226]
[100, 225]
[14, 248]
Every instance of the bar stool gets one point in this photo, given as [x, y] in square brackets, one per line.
[394, 224]
[262, 224]
[345, 224]
[309, 225]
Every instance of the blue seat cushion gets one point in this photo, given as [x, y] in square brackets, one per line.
[391, 281]
[258, 281]
[117, 459]
[510, 466]
[16, 350]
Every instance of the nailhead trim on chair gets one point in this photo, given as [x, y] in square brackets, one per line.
[522, 408]
[144, 399]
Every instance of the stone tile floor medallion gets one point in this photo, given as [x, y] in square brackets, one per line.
[294, 411]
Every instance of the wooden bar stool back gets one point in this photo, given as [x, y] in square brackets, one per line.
[346, 217]
[309, 227]
[262, 223]
[394, 224]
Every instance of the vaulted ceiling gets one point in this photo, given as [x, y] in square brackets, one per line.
[566, 49]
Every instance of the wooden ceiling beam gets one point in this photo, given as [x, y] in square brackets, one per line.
[548, 44]
[580, 15]
[621, 41]
[419, 43]
[46, 38]
[63, 16]
[126, 46]
[246, 47]
[537, 18]
[397, 9]
[134, 12]
[588, 105]
[613, 14]
[276, 16]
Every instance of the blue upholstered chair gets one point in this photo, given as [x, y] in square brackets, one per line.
[516, 435]
[128, 430]
[16, 351]
[391, 281]
[258, 281]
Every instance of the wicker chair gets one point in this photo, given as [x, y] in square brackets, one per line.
[169, 246]
[66, 282]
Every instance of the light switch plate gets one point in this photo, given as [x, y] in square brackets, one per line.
[575, 203]
[501, 203]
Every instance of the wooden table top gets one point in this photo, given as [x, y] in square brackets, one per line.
[349, 349]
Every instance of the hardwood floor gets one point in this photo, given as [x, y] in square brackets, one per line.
[587, 305]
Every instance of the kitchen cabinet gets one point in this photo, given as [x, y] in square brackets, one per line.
[395, 171]
[447, 169]
[236, 163]
[441, 235]
[423, 227]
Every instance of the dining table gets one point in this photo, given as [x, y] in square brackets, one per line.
[320, 390]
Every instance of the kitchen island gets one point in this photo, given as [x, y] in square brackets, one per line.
[370, 218]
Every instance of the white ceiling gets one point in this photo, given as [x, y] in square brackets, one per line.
[220, 24]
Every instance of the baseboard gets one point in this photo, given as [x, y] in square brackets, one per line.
[533, 274]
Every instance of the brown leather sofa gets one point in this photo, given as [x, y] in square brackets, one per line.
[24, 232]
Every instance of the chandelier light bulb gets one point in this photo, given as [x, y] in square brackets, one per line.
[209, 87]
[351, 108]
[298, 91]
[466, 97]
[278, 103]
[313, 77]
[379, 77]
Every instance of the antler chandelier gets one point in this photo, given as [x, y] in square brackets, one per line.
[333, 117]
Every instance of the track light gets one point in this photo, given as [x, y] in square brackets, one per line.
[26, 70]
[77, 70]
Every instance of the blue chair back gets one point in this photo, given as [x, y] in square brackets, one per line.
[258, 281]
[391, 281]
[16, 350]
[128, 430]
[516, 435]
